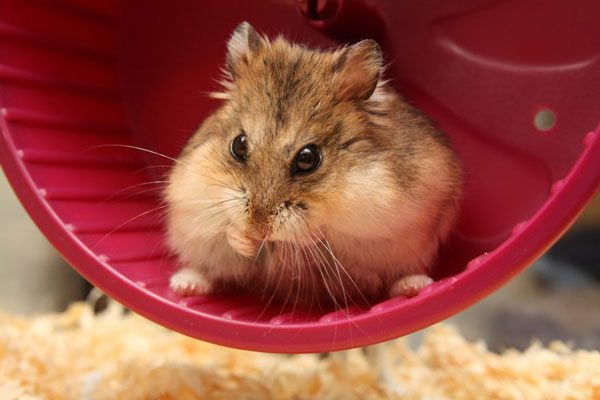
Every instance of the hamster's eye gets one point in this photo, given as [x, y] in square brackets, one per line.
[239, 147]
[307, 160]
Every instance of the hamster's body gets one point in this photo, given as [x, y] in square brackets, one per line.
[314, 182]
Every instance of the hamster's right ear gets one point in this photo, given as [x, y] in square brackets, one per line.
[243, 42]
[359, 68]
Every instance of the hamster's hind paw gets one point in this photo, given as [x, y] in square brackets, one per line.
[189, 282]
[410, 285]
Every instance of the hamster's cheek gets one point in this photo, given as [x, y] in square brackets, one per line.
[368, 203]
[198, 196]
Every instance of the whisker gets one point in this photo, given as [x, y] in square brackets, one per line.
[262, 244]
[284, 267]
[179, 162]
[316, 290]
[326, 263]
[266, 306]
[140, 170]
[344, 293]
[204, 217]
[139, 193]
[164, 206]
[112, 196]
[128, 146]
[337, 269]
[127, 222]
[272, 295]
[330, 250]
[298, 283]
[324, 280]
[300, 269]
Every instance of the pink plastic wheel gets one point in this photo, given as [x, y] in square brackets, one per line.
[515, 84]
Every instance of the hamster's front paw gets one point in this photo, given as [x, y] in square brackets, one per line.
[410, 285]
[242, 244]
[189, 282]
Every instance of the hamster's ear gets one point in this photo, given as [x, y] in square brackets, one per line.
[359, 70]
[243, 42]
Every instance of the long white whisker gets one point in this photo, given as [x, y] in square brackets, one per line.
[315, 290]
[179, 162]
[128, 146]
[297, 259]
[330, 250]
[135, 186]
[272, 295]
[298, 280]
[262, 244]
[326, 264]
[285, 266]
[318, 266]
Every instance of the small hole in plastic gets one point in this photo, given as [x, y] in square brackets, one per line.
[313, 10]
[544, 120]
[318, 10]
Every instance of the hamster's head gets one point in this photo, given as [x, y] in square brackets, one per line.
[293, 151]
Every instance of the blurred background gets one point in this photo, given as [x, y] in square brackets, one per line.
[557, 298]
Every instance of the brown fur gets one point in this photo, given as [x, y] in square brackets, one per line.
[384, 197]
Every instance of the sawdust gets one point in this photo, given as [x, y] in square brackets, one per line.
[79, 355]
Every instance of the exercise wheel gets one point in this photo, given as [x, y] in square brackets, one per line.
[515, 84]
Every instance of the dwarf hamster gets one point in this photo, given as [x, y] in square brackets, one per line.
[314, 181]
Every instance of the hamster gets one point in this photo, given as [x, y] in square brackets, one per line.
[314, 182]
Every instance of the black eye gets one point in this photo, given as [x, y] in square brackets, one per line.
[239, 147]
[307, 160]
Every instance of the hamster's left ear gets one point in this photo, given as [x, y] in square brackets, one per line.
[244, 41]
[359, 69]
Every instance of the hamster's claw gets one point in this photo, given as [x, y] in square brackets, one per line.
[189, 282]
[242, 244]
[410, 285]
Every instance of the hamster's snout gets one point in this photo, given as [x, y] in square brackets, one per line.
[260, 218]
[268, 219]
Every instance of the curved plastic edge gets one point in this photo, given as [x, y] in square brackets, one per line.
[520, 250]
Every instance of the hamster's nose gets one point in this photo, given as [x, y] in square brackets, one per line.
[259, 232]
[258, 222]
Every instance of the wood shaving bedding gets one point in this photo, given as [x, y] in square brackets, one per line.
[79, 355]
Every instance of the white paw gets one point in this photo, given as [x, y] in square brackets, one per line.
[189, 282]
[410, 285]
